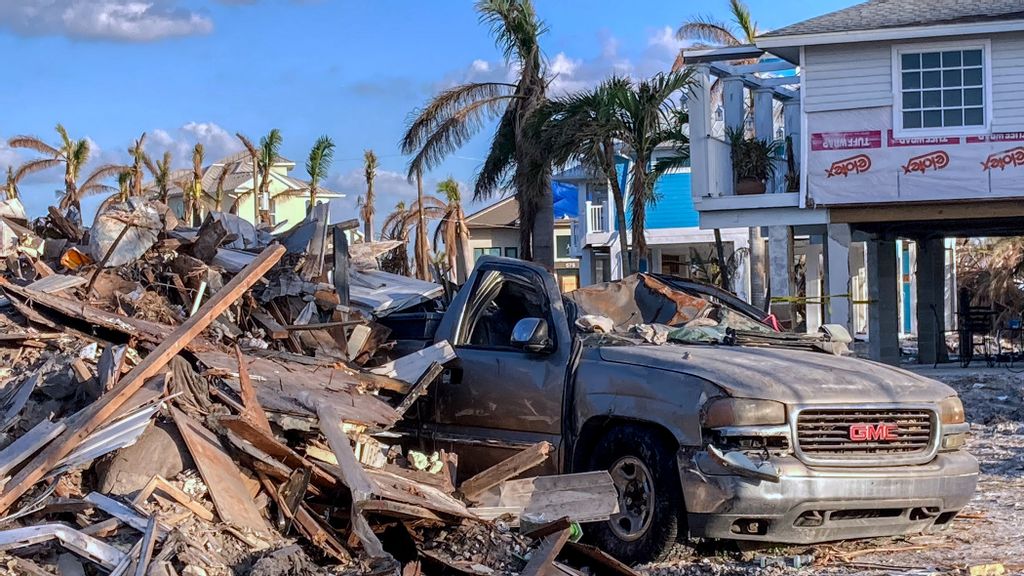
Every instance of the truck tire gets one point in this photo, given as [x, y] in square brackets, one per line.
[643, 466]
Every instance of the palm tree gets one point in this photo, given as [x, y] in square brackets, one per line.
[453, 230]
[422, 255]
[395, 227]
[270, 147]
[137, 151]
[650, 119]
[124, 184]
[192, 187]
[366, 209]
[254, 157]
[161, 172]
[456, 115]
[582, 128]
[318, 164]
[218, 192]
[11, 188]
[73, 154]
[710, 32]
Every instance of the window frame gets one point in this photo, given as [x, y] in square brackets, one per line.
[985, 45]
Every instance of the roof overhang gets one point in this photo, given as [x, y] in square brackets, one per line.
[746, 52]
[777, 43]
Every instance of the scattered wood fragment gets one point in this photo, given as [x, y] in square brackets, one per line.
[582, 497]
[509, 468]
[221, 474]
[98, 412]
[410, 368]
[252, 411]
[146, 547]
[160, 484]
[541, 561]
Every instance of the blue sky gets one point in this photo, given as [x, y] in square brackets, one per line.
[201, 70]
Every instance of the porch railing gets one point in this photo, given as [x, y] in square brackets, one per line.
[596, 220]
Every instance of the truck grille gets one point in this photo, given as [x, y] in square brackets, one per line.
[865, 435]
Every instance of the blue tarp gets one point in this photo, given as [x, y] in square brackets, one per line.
[566, 199]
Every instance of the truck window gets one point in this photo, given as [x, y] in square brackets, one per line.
[500, 299]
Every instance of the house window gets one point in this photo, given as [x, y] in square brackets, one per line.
[942, 89]
[512, 252]
[562, 247]
[478, 252]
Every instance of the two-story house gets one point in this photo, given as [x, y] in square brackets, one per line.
[676, 243]
[907, 119]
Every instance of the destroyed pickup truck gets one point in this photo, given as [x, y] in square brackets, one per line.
[711, 423]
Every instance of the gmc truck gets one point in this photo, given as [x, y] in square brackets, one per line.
[703, 435]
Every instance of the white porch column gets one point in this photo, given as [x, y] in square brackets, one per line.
[615, 257]
[733, 102]
[587, 267]
[838, 296]
[741, 279]
[699, 105]
[609, 209]
[813, 276]
[791, 117]
[656, 260]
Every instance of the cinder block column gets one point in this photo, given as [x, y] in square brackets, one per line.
[780, 258]
[813, 275]
[931, 324]
[883, 311]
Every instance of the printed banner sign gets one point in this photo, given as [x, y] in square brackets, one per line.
[856, 159]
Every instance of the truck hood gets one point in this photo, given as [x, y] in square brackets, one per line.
[789, 376]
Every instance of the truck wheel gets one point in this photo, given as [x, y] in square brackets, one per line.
[643, 467]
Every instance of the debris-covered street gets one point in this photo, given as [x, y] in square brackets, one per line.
[989, 531]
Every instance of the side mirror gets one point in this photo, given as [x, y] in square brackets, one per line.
[531, 335]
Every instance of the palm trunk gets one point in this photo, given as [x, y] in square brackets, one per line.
[368, 221]
[639, 216]
[255, 193]
[723, 270]
[620, 205]
[422, 256]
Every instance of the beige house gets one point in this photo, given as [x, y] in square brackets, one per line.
[286, 202]
[494, 231]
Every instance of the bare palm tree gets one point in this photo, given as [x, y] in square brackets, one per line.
[582, 128]
[422, 255]
[318, 164]
[651, 118]
[453, 230]
[395, 227]
[448, 121]
[72, 154]
[366, 210]
[161, 172]
[137, 151]
[11, 187]
[254, 157]
[124, 184]
[192, 187]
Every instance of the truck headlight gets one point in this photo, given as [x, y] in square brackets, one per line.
[743, 412]
[951, 411]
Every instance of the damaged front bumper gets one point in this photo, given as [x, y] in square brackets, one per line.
[807, 505]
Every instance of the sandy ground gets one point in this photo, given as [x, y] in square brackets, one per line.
[989, 530]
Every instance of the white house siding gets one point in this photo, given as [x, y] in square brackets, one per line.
[851, 76]
[1008, 83]
[847, 76]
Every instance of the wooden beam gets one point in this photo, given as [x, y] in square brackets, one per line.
[251, 411]
[506, 469]
[97, 413]
[545, 554]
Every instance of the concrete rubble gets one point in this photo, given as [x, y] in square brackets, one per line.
[214, 400]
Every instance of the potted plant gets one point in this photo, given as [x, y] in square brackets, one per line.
[753, 162]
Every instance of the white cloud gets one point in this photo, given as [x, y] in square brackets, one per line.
[665, 39]
[217, 142]
[389, 187]
[123, 20]
[480, 65]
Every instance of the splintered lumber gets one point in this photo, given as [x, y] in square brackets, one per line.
[276, 449]
[160, 484]
[274, 328]
[99, 411]
[420, 388]
[352, 475]
[221, 474]
[17, 402]
[583, 497]
[252, 411]
[307, 525]
[282, 386]
[544, 555]
[599, 561]
[146, 551]
[19, 336]
[506, 469]
[410, 368]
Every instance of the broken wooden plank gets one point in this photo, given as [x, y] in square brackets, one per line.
[583, 497]
[19, 336]
[160, 484]
[17, 401]
[252, 411]
[544, 555]
[99, 411]
[276, 449]
[398, 510]
[420, 388]
[274, 329]
[86, 546]
[28, 444]
[411, 367]
[221, 474]
[600, 562]
[352, 475]
[311, 528]
[508, 468]
[56, 283]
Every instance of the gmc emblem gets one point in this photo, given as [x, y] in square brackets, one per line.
[872, 432]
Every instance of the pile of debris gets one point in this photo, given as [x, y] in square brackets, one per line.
[220, 400]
